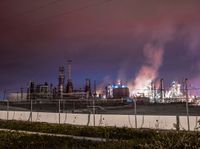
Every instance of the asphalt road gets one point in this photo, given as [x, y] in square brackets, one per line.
[142, 109]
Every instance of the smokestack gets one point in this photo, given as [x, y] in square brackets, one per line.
[61, 81]
[69, 80]
[69, 68]
[186, 88]
[153, 91]
[22, 95]
[183, 86]
[95, 89]
[31, 90]
[88, 87]
[162, 90]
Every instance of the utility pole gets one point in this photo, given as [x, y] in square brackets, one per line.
[187, 110]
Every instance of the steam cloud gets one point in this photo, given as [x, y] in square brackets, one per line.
[153, 53]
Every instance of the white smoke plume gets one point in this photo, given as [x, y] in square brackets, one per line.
[153, 53]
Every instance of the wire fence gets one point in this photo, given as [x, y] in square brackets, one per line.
[58, 112]
[20, 101]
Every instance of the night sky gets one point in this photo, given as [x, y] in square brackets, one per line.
[105, 39]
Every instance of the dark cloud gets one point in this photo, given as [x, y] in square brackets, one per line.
[102, 39]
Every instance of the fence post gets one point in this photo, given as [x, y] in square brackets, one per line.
[187, 109]
[59, 111]
[177, 123]
[31, 110]
[7, 109]
[135, 112]
[94, 111]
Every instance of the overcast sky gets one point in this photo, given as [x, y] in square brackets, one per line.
[105, 39]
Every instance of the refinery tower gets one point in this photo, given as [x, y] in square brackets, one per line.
[69, 88]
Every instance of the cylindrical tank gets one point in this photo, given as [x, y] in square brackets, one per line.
[120, 92]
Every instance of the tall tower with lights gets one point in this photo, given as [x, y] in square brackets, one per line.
[61, 81]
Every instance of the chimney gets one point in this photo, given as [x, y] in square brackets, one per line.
[69, 80]
[162, 90]
[61, 81]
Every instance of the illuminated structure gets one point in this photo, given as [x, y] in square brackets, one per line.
[174, 91]
[120, 92]
[117, 91]
[109, 91]
[141, 89]
[88, 88]
[162, 90]
[145, 89]
[161, 95]
[61, 81]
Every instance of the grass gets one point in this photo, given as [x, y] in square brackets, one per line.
[127, 138]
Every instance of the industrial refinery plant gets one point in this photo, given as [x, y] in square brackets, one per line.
[159, 94]
[64, 90]
[151, 92]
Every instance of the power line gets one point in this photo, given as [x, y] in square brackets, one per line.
[31, 11]
[39, 8]
[74, 10]
[45, 20]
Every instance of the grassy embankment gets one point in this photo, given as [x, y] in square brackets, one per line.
[127, 138]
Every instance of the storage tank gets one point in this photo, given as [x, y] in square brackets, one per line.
[120, 91]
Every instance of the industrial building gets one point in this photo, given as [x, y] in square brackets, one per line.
[40, 91]
[62, 91]
[153, 92]
[65, 90]
[117, 91]
[17, 96]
